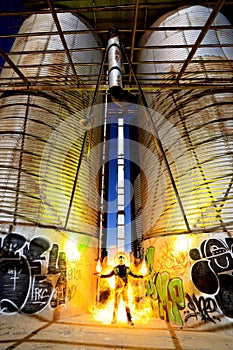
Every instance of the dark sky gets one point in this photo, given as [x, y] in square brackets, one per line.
[9, 24]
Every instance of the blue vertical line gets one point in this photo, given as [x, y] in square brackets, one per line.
[112, 177]
[127, 189]
[130, 113]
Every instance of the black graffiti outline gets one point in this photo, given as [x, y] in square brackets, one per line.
[201, 307]
[212, 271]
[24, 260]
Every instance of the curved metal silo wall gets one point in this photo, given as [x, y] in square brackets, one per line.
[195, 128]
[49, 210]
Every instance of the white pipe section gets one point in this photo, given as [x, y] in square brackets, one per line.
[114, 62]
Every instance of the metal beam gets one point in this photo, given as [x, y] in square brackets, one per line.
[156, 5]
[201, 36]
[139, 48]
[102, 87]
[14, 67]
[105, 31]
[133, 35]
[62, 37]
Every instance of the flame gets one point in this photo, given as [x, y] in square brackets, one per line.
[144, 268]
[139, 304]
[98, 266]
[103, 314]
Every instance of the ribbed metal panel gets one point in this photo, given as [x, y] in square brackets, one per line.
[42, 137]
[42, 65]
[189, 16]
[195, 128]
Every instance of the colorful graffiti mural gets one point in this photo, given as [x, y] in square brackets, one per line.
[36, 274]
[168, 292]
[29, 280]
[210, 274]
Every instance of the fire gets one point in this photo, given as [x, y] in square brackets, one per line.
[98, 266]
[144, 268]
[103, 314]
[139, 304]
[140, 309]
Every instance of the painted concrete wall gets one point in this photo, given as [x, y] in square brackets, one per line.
[190, 282]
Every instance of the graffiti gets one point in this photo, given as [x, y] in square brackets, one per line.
[212, 271]
[151, 290]
[71, 292]
[201, 308]
[171, 258]
[74, 272]
[167, 292]
[59, 296]
[28, 282]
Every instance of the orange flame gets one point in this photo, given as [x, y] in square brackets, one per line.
[144, 268]
[139, 304]
[98, 266]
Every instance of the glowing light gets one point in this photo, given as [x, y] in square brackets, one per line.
[73, 253]
[121, 314]
[103, 314]
[144, 268]
[139, 304]
[180, 245]
[98, 266]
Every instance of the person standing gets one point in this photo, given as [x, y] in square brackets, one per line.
[121, 273]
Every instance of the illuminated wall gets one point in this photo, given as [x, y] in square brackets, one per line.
[190, 265]
[48, 209]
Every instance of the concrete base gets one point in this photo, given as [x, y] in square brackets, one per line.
[82, 332]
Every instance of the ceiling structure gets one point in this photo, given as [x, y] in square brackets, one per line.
[131, 18]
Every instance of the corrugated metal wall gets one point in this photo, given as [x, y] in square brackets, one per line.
[42, 194]
[189, 261]
[195, 128]
[39, 157]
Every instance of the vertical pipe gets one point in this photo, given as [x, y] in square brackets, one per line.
[115, 89]
[120, 185]
[114, 62]
[103, 178]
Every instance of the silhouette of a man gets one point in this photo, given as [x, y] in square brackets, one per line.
[121, 273]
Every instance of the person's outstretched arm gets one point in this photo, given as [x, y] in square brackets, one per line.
[107, 275]
[135, 276]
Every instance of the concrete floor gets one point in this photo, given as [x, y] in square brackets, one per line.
[82, 332]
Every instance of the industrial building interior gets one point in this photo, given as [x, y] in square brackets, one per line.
[176, 63]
